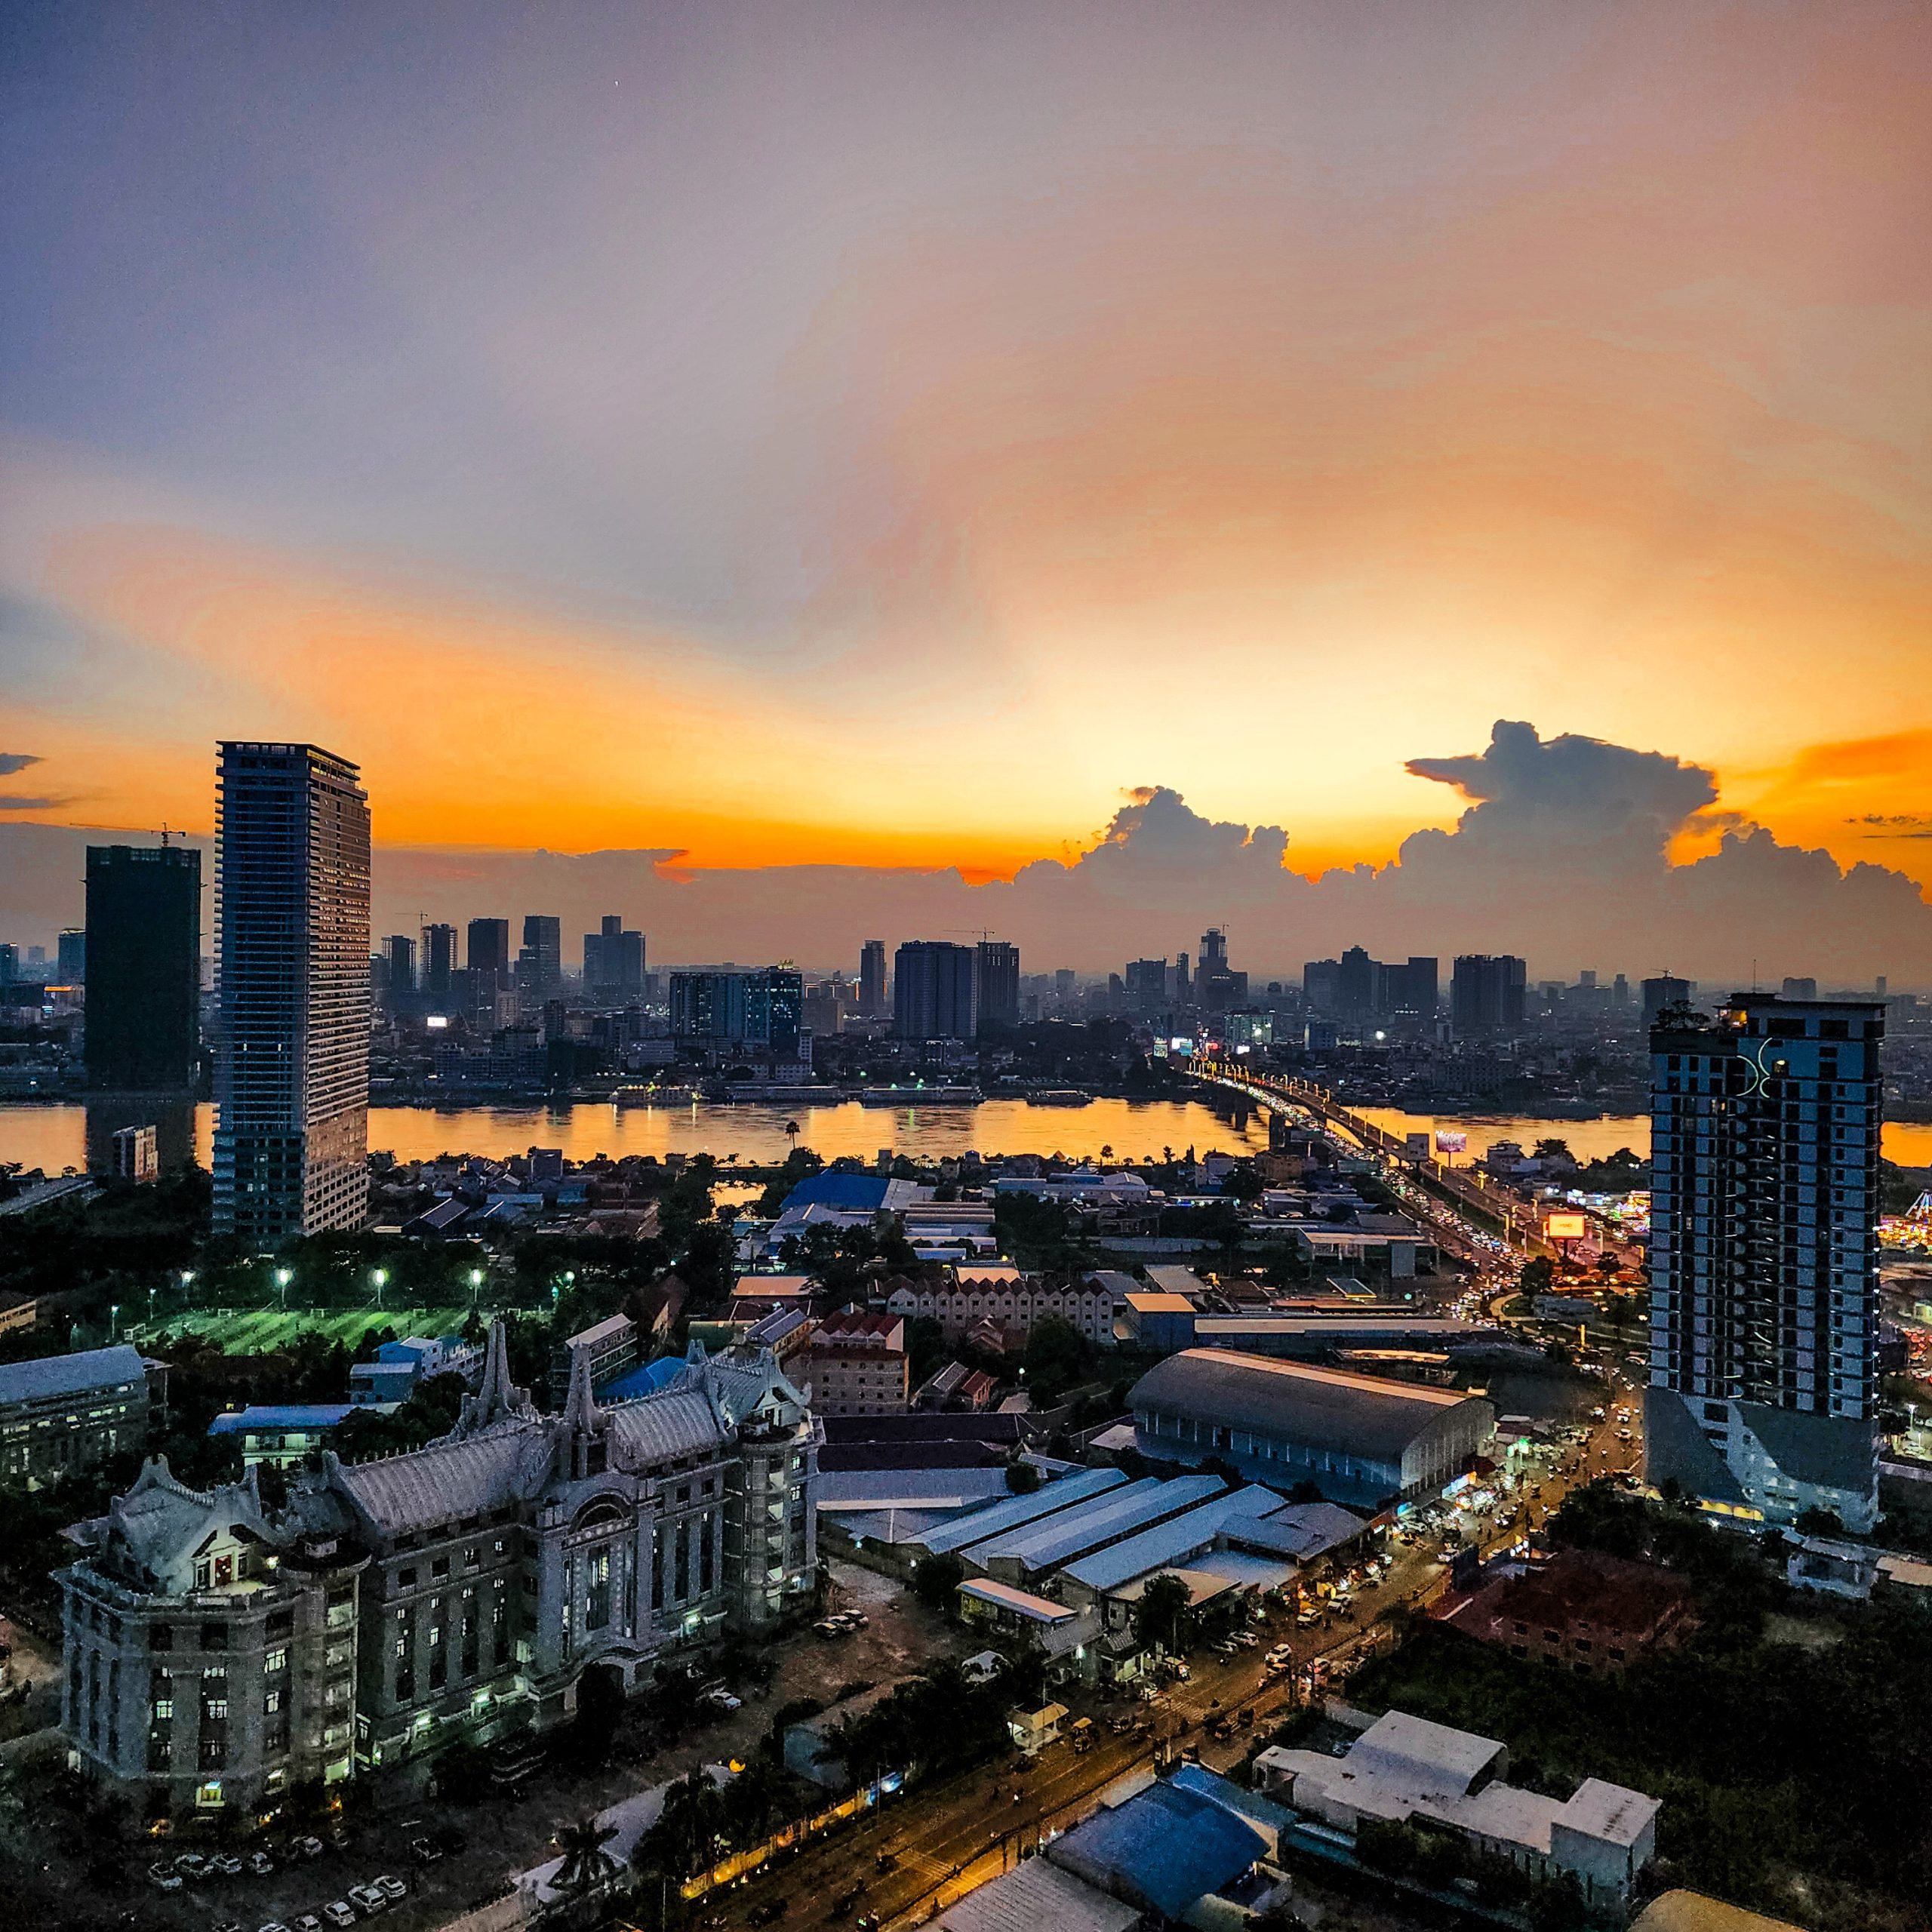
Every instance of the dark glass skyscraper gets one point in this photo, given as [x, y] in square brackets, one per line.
[998, 965]
[144, 967]
[539, 964]
[292, 924]
[872, 979]
[1764, 1260]
[613, 962]
[933, 991]
[438, 961]
[1486, 994]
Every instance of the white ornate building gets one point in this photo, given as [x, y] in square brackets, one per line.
[217, 1654]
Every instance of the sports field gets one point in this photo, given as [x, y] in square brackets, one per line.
[252, 1331]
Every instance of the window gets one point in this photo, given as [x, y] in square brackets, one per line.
[271, 1701]
[274, 1661]
[440, 1567]
[214, 1636]
[161, 1637]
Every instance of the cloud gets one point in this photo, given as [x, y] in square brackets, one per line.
[1564, 856]
[15, 801]
[13, 762]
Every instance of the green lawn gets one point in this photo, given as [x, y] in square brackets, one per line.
[259, 1330]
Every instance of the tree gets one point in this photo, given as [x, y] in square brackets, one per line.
[1057, 1357]
[1608, 1266]
[1162, 1615]
[1538, 1276]
[586, 1864]
[1022, 1477]
[937, 1579]
[1554, 1150]
[793, 1131]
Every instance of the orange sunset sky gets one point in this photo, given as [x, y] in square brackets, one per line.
[887, 435]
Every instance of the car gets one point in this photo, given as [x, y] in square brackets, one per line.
[424, 1851]
[1224, 1650]
[261, 1864]
[720, 1700]
[164, 1879]
[339, 1914]
[229, 1925]
[830, 1626]
[309, 1847]
[228, 1865]
[308, 1922]
[368, 1900]
[273, 1925]
[391, 1887]
[190, 1864]
[1247, 1639]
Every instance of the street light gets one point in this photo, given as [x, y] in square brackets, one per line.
[476, 1285]
[283, 1276]
[380, 1277]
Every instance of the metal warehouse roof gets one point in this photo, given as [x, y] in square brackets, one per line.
[1109, 1516]
[1331, 1408]
[977, 1524]
[1304, 1530]
[49, 1377]
[291, 1415]
[1034, 1893]
[1339, 1327]
[1022, 1603]
[1172, 1542]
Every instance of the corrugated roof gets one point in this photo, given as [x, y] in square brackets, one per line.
[1022, 1603]
[977, 1524]
[1106, 1518]
[47, 1376]
[1358, 1415]
[1033, 1894]
[1170, 1543]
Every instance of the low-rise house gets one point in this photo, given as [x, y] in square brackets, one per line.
[400, 1366]
[1582, 1611]
[284, 1433]
[1404, 1768]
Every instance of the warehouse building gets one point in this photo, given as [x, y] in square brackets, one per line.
[1360, 1439]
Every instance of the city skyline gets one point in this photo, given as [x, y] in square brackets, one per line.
[951, 390]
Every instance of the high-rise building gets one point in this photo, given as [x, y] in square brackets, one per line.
[997, 962]
[1799, 989]
[400, 950]
[439, 961]
[1358, 985]
[934, 988]
[1664, 991]
[1486, 995]
[489, 956]
[144, 985]
[1146, 982]
[539, 964]
[1764, 1261]
[71, 957]
[872, 979]
[1218, 986]
[614, 961]
[761, 1008]
[292, 960]
[1413, 991]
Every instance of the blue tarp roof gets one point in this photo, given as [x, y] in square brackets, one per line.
[1166, 1848]
[864, 1194]
[646, 1379]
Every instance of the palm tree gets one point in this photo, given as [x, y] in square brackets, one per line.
[586, 1864]
[793, 1131]
[1107, 1151]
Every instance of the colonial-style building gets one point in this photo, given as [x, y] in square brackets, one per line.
[971, 1293]
[462, 1589]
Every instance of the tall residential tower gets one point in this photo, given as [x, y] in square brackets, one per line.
[1764, 1274]
[292, 928]
[144, 967]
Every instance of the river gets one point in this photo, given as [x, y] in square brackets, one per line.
[54, 1135]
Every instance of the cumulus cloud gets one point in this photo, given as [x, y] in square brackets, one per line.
[1562, 856]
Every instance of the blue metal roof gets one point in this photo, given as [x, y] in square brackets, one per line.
[286, 1415]
[47, 1376]
[1165, 1848]
[976, 1525]
[1172, 1542]
[1106, 1519]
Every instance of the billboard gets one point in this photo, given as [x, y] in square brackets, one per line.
[1565, 1227]
[1451, 1140]
[1415, 1146]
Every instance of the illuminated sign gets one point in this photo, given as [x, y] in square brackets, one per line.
[1451, 1140]
[1180, 1046]
[1566, 1227]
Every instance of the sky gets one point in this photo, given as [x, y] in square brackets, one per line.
[786, 442]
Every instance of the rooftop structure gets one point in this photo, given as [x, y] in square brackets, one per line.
[1359, 1438]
